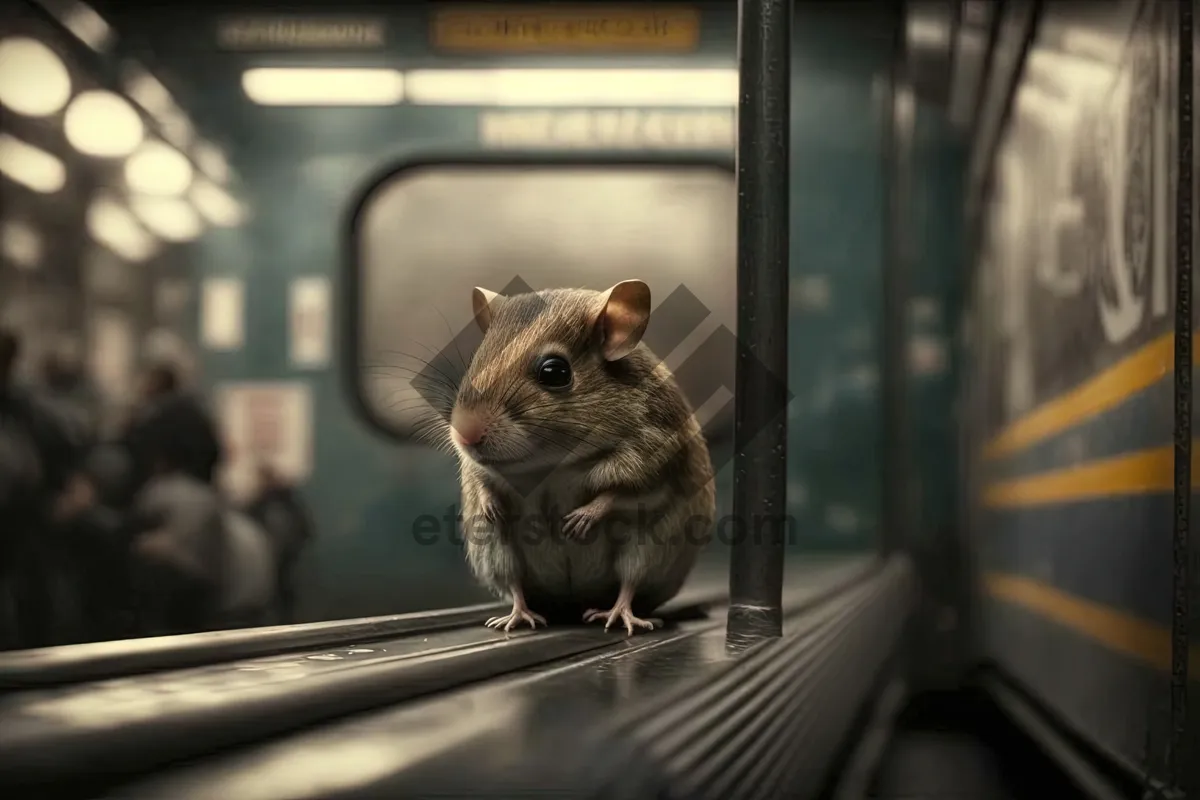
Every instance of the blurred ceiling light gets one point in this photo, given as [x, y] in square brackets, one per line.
[83, 21]
[33, 80]
[111, 224]
[30, 166]
[147, 91]
[176, 128]
[102, 124]
[171, 218]
[158, 169]
[21, 244]
[574, 87]
[211, 161]
[323, 87]
[216, 205]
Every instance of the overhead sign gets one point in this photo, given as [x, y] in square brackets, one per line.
[293, 33]
[542, 29]
[609, 129]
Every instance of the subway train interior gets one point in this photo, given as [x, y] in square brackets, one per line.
[922, 272]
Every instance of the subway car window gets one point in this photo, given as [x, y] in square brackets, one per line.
[698, 399]
[489, 225]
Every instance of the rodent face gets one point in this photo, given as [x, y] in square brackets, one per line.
[543, 386]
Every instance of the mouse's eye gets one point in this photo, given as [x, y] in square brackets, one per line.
[552, 372]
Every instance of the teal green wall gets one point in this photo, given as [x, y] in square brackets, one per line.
[938, 274]
[366, 489]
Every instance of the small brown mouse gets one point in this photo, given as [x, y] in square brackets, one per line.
[587, 485]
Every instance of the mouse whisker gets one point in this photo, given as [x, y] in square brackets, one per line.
[449, 377]
[454, 340]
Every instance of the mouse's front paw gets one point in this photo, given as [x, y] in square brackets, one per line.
[491, 510]
[579, 522]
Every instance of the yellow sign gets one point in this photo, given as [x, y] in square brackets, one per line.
[543, 29]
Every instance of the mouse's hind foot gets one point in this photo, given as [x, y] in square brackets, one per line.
[520, 614]
[624, 614]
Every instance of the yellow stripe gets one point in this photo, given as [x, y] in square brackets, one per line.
[1143, 472]
[1098, 394]
[1114, 629]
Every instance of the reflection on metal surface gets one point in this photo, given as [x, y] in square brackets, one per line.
[1081, 222]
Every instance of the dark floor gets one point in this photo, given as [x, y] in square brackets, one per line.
[960, 747]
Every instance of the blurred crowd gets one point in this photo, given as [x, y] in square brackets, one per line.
[119, 534]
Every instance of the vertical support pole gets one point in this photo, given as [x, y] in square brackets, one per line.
[899, 113]
[760, 411]
[1184, 733]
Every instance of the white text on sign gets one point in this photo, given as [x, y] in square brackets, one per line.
[609, 129]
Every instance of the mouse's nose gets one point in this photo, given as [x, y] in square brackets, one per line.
[467, 428]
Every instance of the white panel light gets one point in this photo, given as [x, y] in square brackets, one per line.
[170, 218]
[111, 224]
[158, 169]
[33, 80]
[102, 124]
[323, 87]
[573, 87]
[216, 205]
[31, 166]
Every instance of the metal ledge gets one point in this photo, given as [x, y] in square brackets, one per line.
[122, 726]
[51, 666]
[48, 666]
[516, 736]
[768, 725]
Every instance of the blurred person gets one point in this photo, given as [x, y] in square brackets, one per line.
[69, 391]
[171, 424]
[196, 563]
[38, 459]
[248, 587]
[178, 552]
[284, 516]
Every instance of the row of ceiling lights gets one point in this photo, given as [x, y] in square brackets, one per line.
[167, 200]
[335, 86]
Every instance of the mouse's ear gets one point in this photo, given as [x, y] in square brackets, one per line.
[623, 320]
[481, 304]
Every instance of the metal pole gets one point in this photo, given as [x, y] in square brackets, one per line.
[895, 464]
[760, 411]
[1185, 731]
